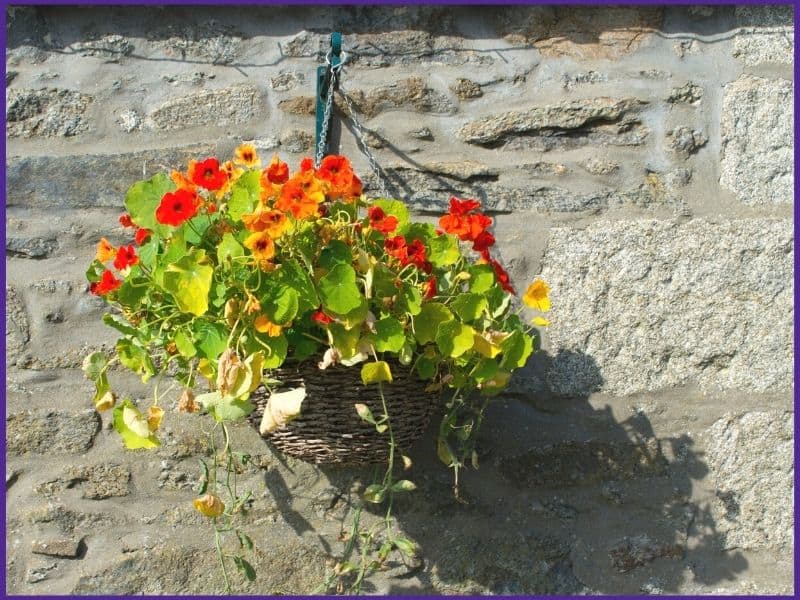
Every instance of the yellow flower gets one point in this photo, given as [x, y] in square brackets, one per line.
[209, 505]
[247, 156]
[540, 321]
[105, 251]
[264, 325]
[536, 296]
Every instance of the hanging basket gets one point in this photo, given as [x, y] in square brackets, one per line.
[329, 430]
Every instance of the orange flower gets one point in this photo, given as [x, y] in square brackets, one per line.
[301, 196]
[262, 247]
[246, 155]
[274, 222]
[231, 170]
[105, 251]
[182, 182]
[337, 173]
[264, 325]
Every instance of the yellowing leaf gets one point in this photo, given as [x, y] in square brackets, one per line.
[376, 371]
[485, 347]
[132, 427]
[189, 281]
[281, 408]
[540, 321]
[106, 401]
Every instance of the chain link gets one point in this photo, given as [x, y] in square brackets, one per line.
[326, 119]
[357, 128]
[359, 131]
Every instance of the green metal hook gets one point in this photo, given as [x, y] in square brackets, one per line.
[324, 77]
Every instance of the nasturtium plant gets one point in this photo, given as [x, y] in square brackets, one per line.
[236, 269]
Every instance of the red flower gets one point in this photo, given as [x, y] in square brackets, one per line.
[462, 207]
[142, 235]
[277, 172]
[502, 277]
[207, 174]
[306, 165]
[321, 318]
[430, 288]
[125, 220]
[211, 208]
[396, 247]
[380, 222]
[416, 253]
[126, 257]
[482, 242]
[176, 207]
[108, 283]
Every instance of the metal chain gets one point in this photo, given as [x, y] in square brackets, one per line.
[323, 138]
[359, 131]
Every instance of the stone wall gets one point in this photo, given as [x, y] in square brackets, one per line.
[640, 159]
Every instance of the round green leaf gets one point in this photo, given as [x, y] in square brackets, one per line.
[339, 291]
[454, 338]
[427, 322]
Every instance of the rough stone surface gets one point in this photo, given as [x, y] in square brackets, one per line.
[629, 553]
[208, 40]
[585, 120]
[757, 140]
[186, 570]
[71, 181]
[543, 169]
[766, 35]
[581, 463]
[690, 93]
[296, 141]
[407, 94]
[56, 432]
[62, 548]
[494, 565]
[109, 47]
[287, 80]
[641, 305]
[228, 106]
[685, 141]
[597, 33]
[46, 113]
[466, 89]
[31, 247]
[97, 482]
[599, 166]
[751, 458]
[17, 325]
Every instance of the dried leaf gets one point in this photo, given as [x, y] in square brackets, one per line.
[281, 408]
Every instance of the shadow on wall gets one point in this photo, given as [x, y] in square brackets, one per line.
[568, 499]
[192, 34]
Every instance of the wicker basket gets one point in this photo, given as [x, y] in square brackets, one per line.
[328, 430]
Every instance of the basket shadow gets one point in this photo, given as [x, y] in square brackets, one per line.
[568, 499]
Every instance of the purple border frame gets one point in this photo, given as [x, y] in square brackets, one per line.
[7, 4]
